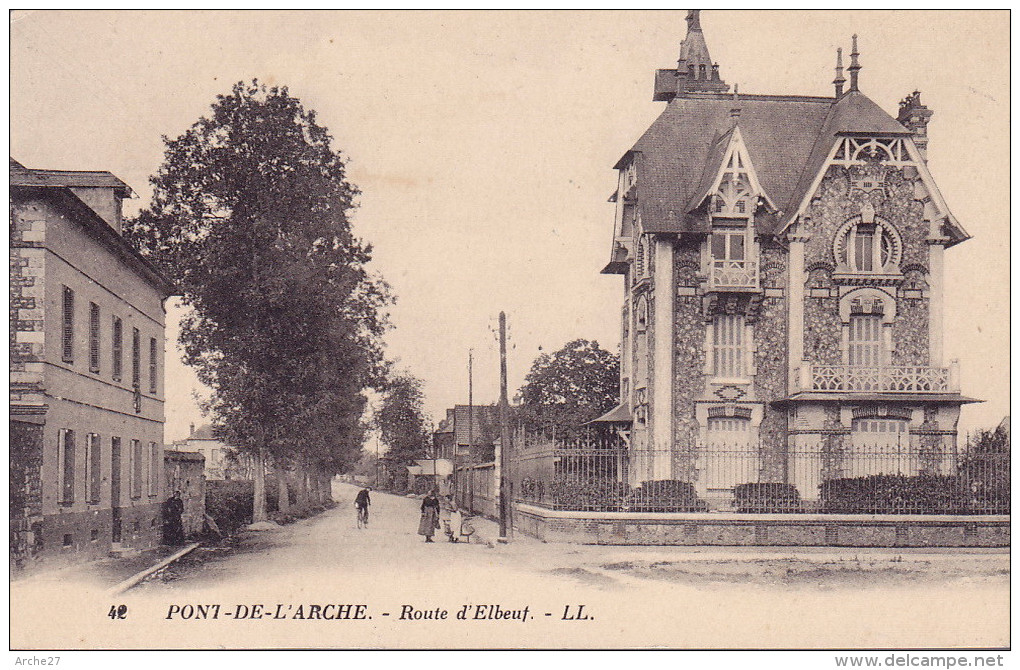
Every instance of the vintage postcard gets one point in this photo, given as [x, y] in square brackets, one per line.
[677, 330]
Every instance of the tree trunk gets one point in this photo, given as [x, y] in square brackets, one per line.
[327, 488]
[313, 486]
[302, 483]
[281, 478]
[258, 512]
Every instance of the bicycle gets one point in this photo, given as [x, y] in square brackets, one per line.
[362, 516]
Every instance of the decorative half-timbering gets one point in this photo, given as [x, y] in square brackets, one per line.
[783, 264]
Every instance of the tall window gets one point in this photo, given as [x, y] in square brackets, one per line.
[94, 466]
[136, 468]
[865, 340]
[153, 468]
[65, 459]
[118, 349]
[136, 358]
[67, 327]
[152, 365]
[93, 337]
[728, 345]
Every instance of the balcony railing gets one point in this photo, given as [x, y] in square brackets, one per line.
[727, 274]
[884, 379]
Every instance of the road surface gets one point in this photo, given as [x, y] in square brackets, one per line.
[403, 593]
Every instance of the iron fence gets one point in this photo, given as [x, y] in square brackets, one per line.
[605, 475]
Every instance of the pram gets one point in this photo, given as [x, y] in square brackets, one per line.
[459, 526]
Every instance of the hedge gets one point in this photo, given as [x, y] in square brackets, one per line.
[767, 497]
[665, 495]
[895, 494]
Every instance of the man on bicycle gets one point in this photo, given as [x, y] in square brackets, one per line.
[362, 502]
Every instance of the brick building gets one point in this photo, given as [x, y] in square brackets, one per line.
[782, 259]
[86, 382]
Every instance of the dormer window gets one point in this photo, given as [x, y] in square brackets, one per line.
[734, 194]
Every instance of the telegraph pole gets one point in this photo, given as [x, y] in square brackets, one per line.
[506, 531]
[471, 436]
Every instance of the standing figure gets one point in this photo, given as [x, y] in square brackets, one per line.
[429, 515]
[447, 510]
[362, 502]
[173, 524]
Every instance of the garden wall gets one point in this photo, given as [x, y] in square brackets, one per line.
[732, 529]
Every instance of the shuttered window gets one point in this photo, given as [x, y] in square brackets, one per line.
[153, 468]
[728, 349]
[865, 340]
[137, 471]
[136, 358]
[153, 382]
[94, 465]
[93, 337]
[67, 327]
[118, 349]
[65, 458]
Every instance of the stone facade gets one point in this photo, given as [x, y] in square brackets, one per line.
[86, 438]
[807, 238]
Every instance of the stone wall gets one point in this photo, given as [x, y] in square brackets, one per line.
[26, 456]
[689, 340]
[770, 360]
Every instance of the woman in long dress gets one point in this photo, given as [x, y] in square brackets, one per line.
[429, 516]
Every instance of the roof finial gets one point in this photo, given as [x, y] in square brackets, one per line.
[693, 20]
[839, 80]
[854, 66]
[735, 110]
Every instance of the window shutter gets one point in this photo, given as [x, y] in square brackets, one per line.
[152, 365]
[136, 358]
[93, 337]
[68, 467]
[118, 349]
[95, 467]
[67, 330]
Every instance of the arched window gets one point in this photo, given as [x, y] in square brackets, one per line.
[641, 315]
[868, 247]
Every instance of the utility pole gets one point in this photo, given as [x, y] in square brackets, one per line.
[506, 530]
[471, 436]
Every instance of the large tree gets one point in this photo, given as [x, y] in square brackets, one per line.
[250, 216]
[404, 426]
[565, 389]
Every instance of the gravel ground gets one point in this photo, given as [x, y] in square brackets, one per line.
[647, 597]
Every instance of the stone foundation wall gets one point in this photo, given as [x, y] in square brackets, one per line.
[798, 530]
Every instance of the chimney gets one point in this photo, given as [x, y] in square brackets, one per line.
[191, 430]
[839, 80]
[855, 67]
[914, 117]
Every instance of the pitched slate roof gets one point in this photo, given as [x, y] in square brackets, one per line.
[787, 138]
[22, 176]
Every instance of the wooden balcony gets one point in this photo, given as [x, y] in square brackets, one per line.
[727, 275]
[884, 379]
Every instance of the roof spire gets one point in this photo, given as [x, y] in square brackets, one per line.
[693, 20]
[695, 71]
[735, 110]
[839, 80]
[854, 66]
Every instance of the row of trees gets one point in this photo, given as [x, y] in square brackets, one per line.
[250, 217]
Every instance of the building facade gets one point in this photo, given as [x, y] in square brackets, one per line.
[221, 461]
[86, 383]
[783, 275]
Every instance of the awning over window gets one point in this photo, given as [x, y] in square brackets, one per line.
[619, 414]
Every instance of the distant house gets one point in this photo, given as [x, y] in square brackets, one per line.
[86, 370]
[221, 461]
[184, 471]
[463, 427]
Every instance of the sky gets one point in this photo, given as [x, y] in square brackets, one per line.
[483, 144]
